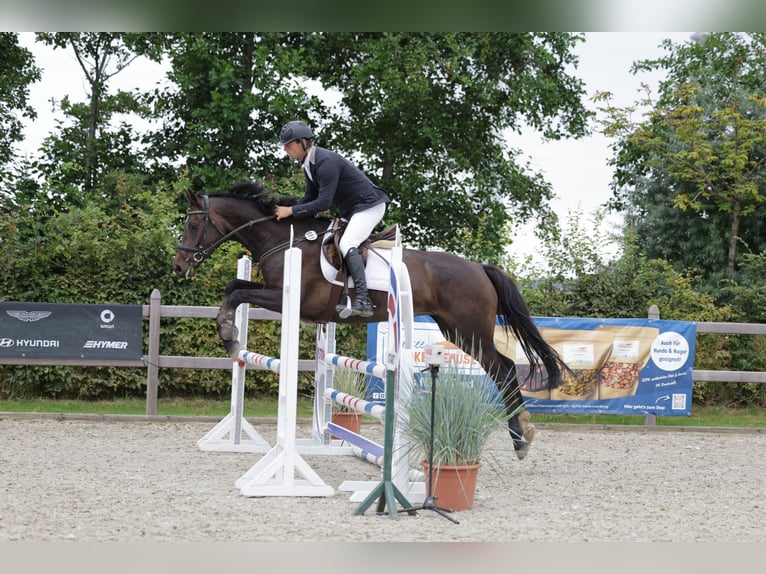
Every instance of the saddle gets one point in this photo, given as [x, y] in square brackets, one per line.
[385, 239]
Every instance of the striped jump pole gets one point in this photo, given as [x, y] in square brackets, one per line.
[346, 441]
[361, 446]
[357, 365]
[369, 455]
[258, 360]
[359, 405]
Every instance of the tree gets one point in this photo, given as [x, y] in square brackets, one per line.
[88, 148]
[231, 94]
[704, 138]
[695, 240]
[17, 72]
[585, 284]
[425, 114]
[429, 129]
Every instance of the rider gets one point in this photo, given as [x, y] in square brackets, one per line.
[333, 180]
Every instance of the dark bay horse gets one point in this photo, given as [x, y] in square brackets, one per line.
[463, 297]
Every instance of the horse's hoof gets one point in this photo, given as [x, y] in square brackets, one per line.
[228, 331]
[528, 429]
[232, 348]
[521, 447]
[529, 433]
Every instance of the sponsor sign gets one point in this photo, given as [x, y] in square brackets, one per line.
[619, 366]
[70, 331]
[426, 332]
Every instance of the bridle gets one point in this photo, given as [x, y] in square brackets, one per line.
[200, 253]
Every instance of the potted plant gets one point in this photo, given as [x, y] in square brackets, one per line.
[351, 383]
[467, 411]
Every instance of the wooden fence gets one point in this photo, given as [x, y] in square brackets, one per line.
[153, 361]
[727, 329]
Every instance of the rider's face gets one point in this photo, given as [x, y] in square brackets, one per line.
[295, 151]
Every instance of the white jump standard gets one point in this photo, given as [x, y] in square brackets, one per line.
[275, 473]
[234, 433]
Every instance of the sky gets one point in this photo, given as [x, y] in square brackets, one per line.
[576, 169]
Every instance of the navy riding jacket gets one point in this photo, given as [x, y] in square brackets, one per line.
[336, 181]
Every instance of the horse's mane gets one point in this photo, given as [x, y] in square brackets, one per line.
[254, 191]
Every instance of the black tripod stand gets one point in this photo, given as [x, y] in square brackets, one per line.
[430, 501]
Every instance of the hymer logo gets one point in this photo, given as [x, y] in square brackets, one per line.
[105, 345]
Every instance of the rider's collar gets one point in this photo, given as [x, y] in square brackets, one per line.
[308, 160]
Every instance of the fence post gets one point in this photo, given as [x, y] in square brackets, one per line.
[650, 419]
[153, 358]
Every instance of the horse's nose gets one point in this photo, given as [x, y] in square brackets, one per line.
[180, 267]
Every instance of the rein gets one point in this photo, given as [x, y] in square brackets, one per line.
[201, 253]
[309, 236]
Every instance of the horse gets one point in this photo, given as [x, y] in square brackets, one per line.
[462, 297]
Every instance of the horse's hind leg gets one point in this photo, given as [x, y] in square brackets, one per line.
[502, 370]
[522, 431]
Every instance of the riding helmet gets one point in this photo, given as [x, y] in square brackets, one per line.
[295, 131]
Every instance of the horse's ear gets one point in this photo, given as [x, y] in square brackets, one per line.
[192, 197]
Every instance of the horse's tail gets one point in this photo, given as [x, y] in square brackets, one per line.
[516, 319]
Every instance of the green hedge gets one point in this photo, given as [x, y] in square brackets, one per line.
[117, 247]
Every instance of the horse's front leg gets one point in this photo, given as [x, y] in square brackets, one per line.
[237, 284]
[236, 293]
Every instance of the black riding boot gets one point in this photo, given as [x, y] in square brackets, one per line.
[362, 306]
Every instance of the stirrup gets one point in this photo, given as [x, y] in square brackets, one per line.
[344, 310]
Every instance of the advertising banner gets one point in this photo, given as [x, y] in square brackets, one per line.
[70, 331]
[618, 366]
[426, 333]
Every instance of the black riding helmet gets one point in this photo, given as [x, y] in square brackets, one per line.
[295, 131]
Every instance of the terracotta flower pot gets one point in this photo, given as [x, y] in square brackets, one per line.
[348, 420]
[454, 486]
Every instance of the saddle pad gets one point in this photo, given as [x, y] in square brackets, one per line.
[376, 271]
